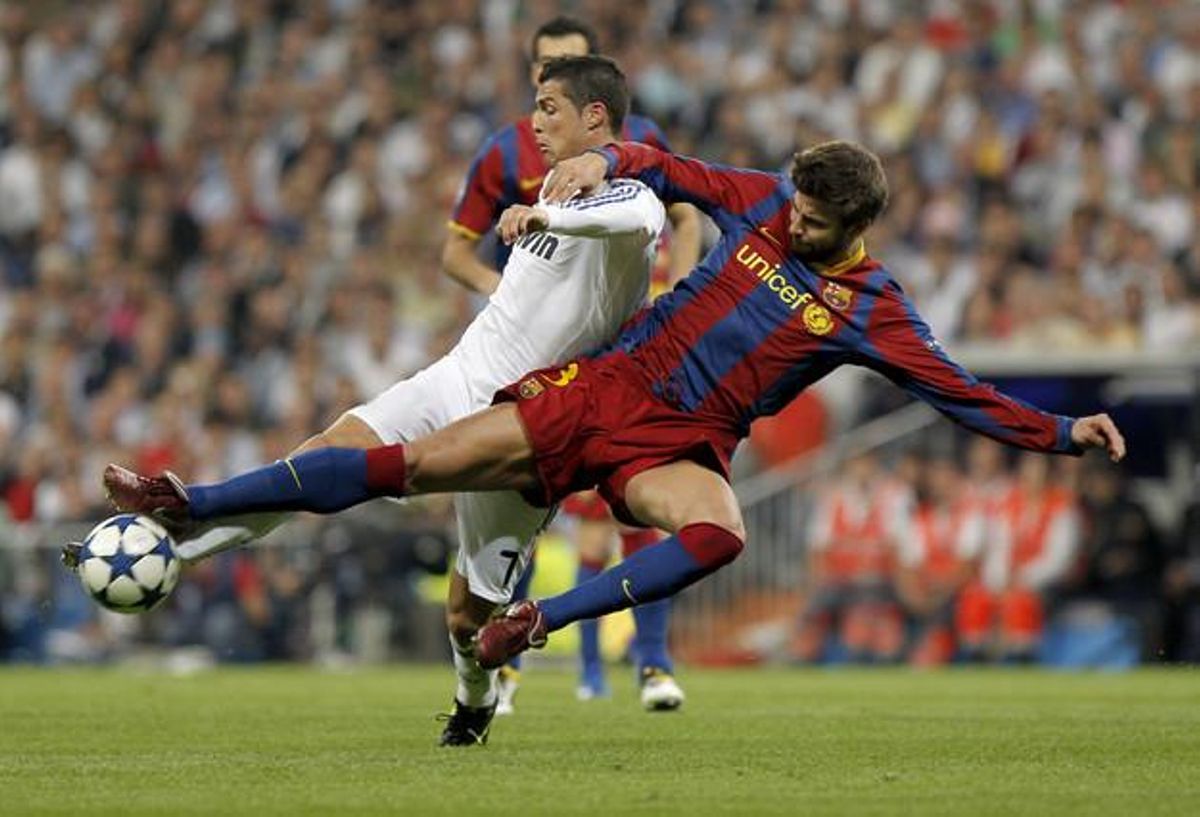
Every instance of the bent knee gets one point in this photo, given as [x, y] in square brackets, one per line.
[710, 544]
[729, 520]
[734, 526]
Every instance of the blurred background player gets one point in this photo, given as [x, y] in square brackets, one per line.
[854, 537]
[594, 534]
[509, 169]
[1036, 539]
[939, 554]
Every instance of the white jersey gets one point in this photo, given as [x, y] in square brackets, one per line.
[567, 290]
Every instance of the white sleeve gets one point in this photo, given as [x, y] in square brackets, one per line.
[626, 208]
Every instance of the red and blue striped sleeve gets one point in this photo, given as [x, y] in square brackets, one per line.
[645, 130]
[899, 345]
[730, 196]
[484, 191]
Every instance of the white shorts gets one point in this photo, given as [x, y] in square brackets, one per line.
[496, 529]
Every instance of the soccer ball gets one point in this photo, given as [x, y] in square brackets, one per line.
[128, 563]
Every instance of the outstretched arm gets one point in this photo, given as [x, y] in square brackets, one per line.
[902, 348]
[728, 195]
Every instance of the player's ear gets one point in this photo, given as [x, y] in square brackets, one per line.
[595, 115]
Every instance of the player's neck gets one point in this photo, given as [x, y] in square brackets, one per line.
[848, 259]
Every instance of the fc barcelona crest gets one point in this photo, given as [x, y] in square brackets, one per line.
[817, 319]
[837, 296]
[530, 388]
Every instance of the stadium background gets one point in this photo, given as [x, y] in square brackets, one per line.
[221, 224]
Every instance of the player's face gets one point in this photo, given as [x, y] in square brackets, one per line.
[558, 126]
[816, 234]
[550, 48]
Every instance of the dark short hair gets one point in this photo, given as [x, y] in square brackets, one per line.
[565, 27]
[591, 79]
[845, 177]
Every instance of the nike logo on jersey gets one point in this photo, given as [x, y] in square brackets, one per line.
[767, 234]
[527, 183]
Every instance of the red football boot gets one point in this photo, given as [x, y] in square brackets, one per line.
[520, 627]
[162, 497]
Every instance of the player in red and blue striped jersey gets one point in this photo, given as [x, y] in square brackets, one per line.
[786, 296]
[509, 169]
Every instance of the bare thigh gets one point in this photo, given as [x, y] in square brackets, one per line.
[683, 493]
[485, 451]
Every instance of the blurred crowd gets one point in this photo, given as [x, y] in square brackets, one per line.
[221, 220]
[984, 556]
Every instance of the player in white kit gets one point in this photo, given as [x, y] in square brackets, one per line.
[564, 292]
[567, 288]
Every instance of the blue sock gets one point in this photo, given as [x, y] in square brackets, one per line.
[589, 630]
[520, 593]
[650, 643]
[325, 481]
[652, 573]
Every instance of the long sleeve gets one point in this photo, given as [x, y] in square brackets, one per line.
[900, 346]
[626, 207]
[730, 196]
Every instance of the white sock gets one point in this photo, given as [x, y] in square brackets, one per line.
[223, 534]
[476, 685]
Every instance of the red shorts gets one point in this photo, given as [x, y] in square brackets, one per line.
[595, 424]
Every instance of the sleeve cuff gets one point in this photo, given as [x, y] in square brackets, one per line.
[609, 153]
[553, 216]
[1064, 444]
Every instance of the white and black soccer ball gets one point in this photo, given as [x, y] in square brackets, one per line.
[128, 563]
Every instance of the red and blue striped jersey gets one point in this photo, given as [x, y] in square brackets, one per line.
[752, 326]
[509, 169]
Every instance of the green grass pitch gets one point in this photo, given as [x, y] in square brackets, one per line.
[291, 741]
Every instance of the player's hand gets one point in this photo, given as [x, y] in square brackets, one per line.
[519, 219]
[573, 177]
[1099, 431]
